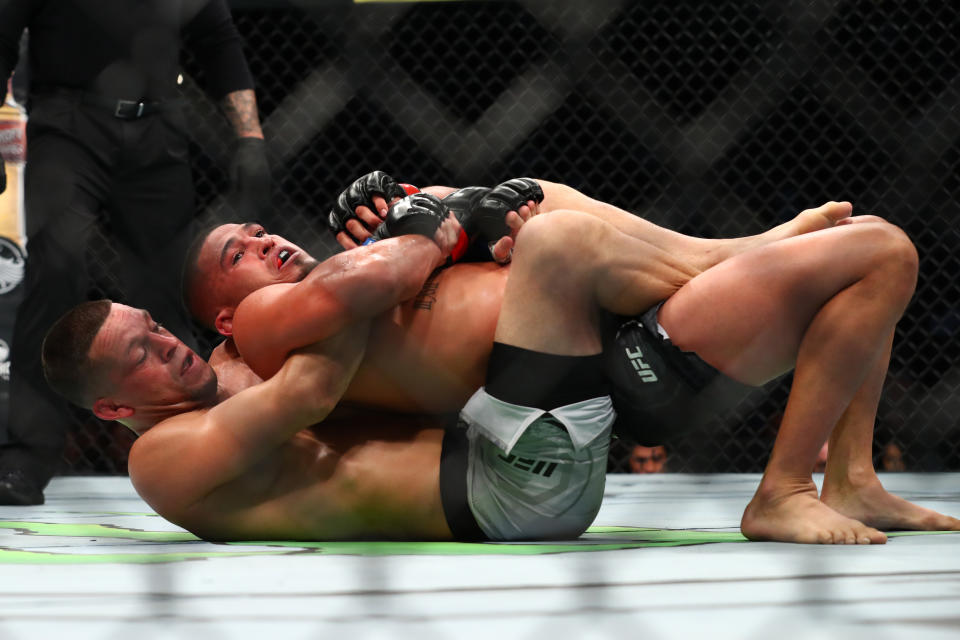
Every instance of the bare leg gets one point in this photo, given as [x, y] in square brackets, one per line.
[826, 302]
[851, 485]
[699, 253]
[573, 261]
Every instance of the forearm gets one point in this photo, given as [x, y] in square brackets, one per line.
[240, 110]
[351, 287]
[316, 377]
[375, 278]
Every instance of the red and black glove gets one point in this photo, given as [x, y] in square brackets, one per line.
[482, 212]
[420, 213]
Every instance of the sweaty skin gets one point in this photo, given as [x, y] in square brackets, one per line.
[430, 353]
[275, 460]
[405, 369]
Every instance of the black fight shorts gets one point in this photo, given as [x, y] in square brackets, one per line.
[659, 392]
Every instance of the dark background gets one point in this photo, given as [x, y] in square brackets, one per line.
[712, 118]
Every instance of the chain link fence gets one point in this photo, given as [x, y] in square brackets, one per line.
[714, 119]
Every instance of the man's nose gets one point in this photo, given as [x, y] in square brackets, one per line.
[263, 244]
[166, 346]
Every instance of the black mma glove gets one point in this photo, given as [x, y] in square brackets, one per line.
[250, 177]
[482, 212]
[3, 176]
[360, 193]
[420, 214]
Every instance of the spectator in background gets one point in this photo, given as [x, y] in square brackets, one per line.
[891, 458]
[107, 143]
[648, 459]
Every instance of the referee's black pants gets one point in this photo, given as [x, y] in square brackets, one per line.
[85, 167]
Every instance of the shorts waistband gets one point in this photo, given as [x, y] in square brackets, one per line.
[454, 455]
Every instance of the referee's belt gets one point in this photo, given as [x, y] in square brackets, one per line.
[127, 109]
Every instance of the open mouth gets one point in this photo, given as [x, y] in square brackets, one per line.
[282, 257]
[187, 363]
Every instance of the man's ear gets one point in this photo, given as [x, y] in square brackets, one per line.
[107, 409]
[224, 321]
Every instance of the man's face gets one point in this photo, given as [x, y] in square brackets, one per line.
[236, 260]
[146, 366]
[647, 459]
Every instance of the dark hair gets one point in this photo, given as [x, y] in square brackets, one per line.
[190, 273]
[66, 352]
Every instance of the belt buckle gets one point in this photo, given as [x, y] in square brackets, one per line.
[122, 110]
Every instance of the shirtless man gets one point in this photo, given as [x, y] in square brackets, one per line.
[424, 357]
[256, 470]
[255, 473]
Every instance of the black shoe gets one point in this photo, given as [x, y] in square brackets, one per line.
[16, 489]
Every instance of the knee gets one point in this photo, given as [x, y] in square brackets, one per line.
[898, 258]
[557, 196]
[560, 233]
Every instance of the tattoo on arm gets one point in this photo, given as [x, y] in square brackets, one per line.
[428, 295]
[240, 108]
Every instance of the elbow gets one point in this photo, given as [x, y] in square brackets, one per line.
[308, 389]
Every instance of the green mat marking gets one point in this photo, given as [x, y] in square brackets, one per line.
[595, 539]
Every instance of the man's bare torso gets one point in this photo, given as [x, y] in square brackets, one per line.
[430, 354]
[362, 473]
[427, 355]
[354, 477]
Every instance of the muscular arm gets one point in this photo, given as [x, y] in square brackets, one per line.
[212, 448]
[350, 287]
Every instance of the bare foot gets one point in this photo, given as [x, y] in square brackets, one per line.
[871, 504]
[823, 217]
[797, 515]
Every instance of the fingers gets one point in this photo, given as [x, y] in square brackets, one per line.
[357, 230]
[368, 217]
[514, 221]
[380, 205]
[533, 207]
[447, 234]
[502, 250]
[346, 241]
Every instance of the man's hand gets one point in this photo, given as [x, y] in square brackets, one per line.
[494, 216]
[359, 209]
[250, 177]
[428, 216]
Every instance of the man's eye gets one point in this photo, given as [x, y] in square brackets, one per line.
[260, 233]
[237, 256]
[157, 327]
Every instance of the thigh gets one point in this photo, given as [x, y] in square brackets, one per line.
[549, 302]
[748, 315]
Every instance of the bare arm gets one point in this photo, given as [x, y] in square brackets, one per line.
[350, 287]
[212, 448]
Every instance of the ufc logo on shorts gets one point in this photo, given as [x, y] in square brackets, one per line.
[642, 368]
